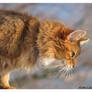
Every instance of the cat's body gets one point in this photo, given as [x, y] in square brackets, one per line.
[16, 48]
[24, 42]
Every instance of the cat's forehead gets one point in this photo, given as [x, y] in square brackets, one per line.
[72, 45]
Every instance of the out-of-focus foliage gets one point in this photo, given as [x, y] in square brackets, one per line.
[77, 16]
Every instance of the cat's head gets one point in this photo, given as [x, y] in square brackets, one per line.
[59, 46]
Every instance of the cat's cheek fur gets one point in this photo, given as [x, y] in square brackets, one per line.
[46, 61]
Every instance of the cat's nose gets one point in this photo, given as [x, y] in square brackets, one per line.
[71, 63]
[71, 66]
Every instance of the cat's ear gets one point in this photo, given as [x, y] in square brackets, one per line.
[83, 41]
[76, 35]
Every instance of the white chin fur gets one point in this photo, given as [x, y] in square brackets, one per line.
[50, 62]
[47, 61]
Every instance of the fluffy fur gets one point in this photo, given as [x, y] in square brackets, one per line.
[25, 41]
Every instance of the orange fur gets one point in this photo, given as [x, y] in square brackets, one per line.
[24, 39]
[52, 41]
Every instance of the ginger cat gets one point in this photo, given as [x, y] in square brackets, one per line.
[25, 42]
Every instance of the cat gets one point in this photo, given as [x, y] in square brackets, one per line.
[26, 41]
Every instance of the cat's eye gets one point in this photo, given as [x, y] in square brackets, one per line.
[72, 54]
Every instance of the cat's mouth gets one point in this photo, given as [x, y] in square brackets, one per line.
[60, 65]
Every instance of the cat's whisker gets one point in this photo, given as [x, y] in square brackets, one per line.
[71, 72]
[67, 74]
[66, 71]
[76, 69]
[60, 70]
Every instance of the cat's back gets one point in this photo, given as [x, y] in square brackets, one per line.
[13, 28]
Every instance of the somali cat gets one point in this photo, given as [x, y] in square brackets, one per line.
[25, 42]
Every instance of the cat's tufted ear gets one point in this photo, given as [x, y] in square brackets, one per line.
[76, 35]
[83, 41]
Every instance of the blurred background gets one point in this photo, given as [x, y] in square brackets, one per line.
[76, 16]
